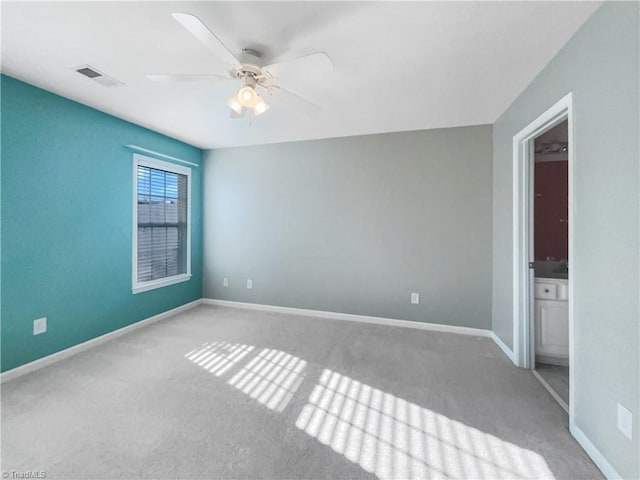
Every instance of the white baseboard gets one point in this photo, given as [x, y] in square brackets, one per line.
[351, 317]
[81, 347]
[601, 462]
[503, 346]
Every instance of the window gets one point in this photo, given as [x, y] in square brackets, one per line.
[161, 223]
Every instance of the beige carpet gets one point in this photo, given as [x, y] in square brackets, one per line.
[227, 393]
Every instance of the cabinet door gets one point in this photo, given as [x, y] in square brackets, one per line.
[552, 328]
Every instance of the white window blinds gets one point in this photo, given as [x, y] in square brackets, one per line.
[161, 225]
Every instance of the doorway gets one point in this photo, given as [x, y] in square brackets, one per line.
[551, 259]
[543, 246]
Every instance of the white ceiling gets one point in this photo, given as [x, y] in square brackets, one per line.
[398, 66]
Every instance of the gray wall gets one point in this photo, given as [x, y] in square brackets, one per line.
[356, 224]
[600, 66]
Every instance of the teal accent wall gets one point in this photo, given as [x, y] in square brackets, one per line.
[67, 220]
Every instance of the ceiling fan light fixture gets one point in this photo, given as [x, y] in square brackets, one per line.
[247, 96]
[235, 105]
[260, 107]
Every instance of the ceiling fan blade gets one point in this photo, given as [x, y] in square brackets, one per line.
[187, 77]
[307, 65]
[295, 101]
[199, 30]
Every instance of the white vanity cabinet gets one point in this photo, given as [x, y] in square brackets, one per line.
[552, 319]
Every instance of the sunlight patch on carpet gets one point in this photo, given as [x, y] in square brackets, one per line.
[272, 378]
[394, 438]
[219, 357]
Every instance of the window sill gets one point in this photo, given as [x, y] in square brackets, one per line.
[146, 286]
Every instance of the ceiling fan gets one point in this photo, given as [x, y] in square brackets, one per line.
[248, 68]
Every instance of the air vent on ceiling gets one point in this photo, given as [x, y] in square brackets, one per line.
[89, 72]
[97, 76]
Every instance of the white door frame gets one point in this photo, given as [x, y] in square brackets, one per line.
[523, 282]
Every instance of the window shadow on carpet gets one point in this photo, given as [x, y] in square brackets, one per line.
[393, 438]
[219, 357]
[271, 377]
[383, 434]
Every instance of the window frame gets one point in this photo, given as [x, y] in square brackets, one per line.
[144, 161]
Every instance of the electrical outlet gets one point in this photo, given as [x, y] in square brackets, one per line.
[625, 421]
[415, 298]
[249, 283]
[39, 325]
[225, 282]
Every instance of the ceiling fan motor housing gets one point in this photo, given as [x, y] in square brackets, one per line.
[250, 66]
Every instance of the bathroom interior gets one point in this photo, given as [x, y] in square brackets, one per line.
[551, 254]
